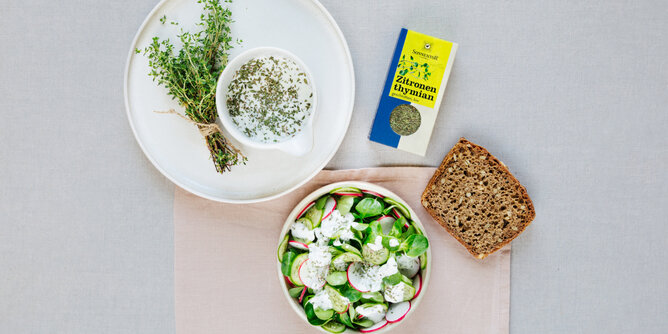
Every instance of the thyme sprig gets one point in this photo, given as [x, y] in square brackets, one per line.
[191, 73]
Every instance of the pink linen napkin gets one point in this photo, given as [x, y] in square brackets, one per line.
[225, 265]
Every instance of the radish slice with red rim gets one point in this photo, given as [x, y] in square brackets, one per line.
[308, 206]
[330, 205]
[408, 266]
[349, 194]
[312, 276]
[397, 312]
[301, 297]
[288, 282]
[369, 192]
[298, 245]
[386, 224]
[344, 311]
[356, 275]
[375, 327]
[417, 284]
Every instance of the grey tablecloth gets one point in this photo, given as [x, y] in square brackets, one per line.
[570, 95]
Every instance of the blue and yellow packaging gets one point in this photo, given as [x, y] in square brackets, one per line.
[413, 92]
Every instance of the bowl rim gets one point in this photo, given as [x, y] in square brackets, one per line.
[426, 273]
[226, 76]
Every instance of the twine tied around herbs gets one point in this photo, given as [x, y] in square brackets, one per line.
[205, 129]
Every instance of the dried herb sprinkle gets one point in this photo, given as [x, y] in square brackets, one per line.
[269, 99]
[405, 119]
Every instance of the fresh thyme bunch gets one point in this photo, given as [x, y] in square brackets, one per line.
[191, 75]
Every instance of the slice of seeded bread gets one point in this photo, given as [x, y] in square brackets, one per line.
[475, 198]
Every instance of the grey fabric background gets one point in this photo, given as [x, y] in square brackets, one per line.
[571, 95]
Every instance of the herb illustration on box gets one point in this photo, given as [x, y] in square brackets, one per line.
[413, 68]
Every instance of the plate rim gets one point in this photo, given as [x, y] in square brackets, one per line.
[131, 53]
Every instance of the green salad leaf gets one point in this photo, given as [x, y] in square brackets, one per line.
[397, 227]
[369, 207]
[344, 318]
[410, 231]
[373, 231]
[349, 292]
[415, 245]
[311, 316]
[286, 263]
[320, 203]
[295, 292]
[392, 279]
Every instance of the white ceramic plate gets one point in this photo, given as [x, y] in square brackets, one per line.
[177, 150]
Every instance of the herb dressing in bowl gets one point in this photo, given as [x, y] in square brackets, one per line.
[269, 98]
[266, 99]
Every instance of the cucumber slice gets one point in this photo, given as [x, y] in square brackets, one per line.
[373, 311]
[337, 278]
[351, 249]
[402, 208]
[406, 280]
[314, 215]
[306, 221]
[346, 190]
[398, 293]
[334, 327]
[363, 322]
[423, 261]
[375, 297]
[348, 257]
[294, 269]
[375, 256]
[345, 203]
[282, 247]
[339, 303]
[323, 315]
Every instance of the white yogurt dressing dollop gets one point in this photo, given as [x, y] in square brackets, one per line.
[374, 313]
[319, 255]
[338, 225]
[301, 231]
[321, 300]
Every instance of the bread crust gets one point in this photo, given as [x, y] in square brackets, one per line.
[531, 213]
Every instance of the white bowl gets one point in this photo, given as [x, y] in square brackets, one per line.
[296, 306]
[302, 142]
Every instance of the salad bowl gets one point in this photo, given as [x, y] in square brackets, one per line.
[353, 257]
